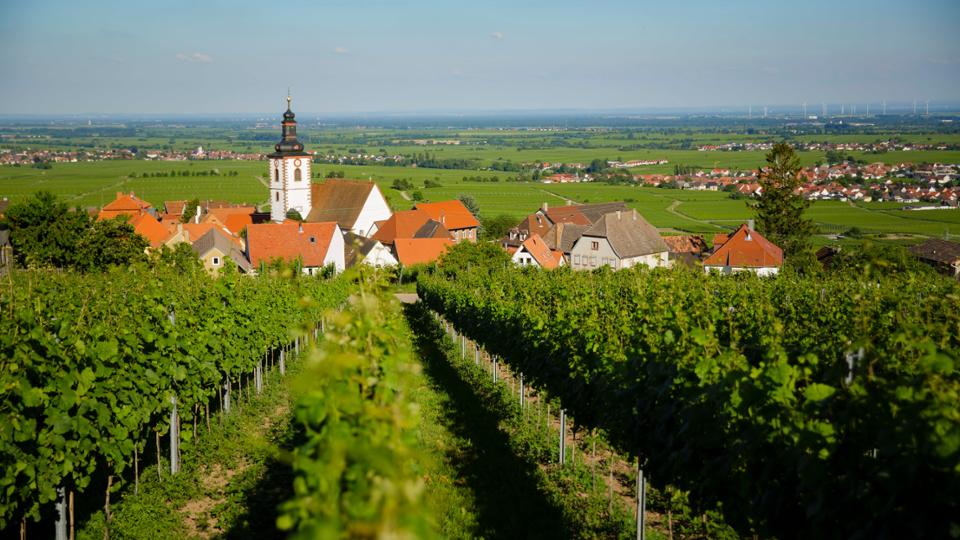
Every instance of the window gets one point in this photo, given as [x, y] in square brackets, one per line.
[276, 174]
[278, 196]
[594, 245]
[576, 259]
[313, 239]
[296, 175]
[216, 261]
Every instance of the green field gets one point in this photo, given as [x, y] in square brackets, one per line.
[96, 183]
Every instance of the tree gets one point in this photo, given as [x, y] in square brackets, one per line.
[189, 211]
[109, 242]
[496, 227]
[44, 231]
[294, 215]
[779, 209]
[474, 209]
[417, 196]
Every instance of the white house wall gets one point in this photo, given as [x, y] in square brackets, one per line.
[380, 256]
[374, 209]
[335, 252]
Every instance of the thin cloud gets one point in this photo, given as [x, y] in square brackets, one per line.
[497, 35]
[196, 57]
[340, 50]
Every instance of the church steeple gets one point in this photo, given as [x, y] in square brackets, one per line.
[289, 172]
[289, 145]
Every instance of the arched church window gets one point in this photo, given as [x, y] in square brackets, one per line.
[296, 175]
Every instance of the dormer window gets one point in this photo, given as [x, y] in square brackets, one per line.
[313, 239]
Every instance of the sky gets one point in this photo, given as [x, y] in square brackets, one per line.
[343, 57]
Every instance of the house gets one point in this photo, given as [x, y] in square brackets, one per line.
[409, 224]
[619, 240]
[562, 237]
[366, 251]
[215, 247]
[148, 227]
[126, 204]
[535, 252]
[312, 245]
[745, 250]
[191, 232]
[544, 219]
[940, 254]
[411, 251]
[454, 216]
[686, 249]
[354, 205]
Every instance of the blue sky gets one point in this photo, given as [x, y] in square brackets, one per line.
[59, 56]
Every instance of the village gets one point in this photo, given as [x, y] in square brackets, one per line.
[341, 223]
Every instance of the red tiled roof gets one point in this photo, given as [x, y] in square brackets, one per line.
[412, 251]
[125, 203]
[746, 249]
[452, 214]
[236, 222]
[538, 249]
[174, 207]
[196, 230]
[155, 232]
[568, 214]
[405, 224]
[290, 240]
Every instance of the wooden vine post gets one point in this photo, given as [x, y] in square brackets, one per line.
[563, 430]
[641, 503]
[61, 523]
[174, 437]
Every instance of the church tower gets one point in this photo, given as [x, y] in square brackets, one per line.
[289, 173]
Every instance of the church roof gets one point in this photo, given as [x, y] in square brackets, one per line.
[289, 145]
[339, 200]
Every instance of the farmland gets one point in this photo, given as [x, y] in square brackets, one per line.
[480, 148]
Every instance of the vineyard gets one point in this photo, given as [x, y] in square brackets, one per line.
[797, 407]
[97, 367]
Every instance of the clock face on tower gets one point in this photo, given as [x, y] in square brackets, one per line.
[296, 163]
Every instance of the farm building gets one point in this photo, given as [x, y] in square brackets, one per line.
[619, 240]
[745, 250]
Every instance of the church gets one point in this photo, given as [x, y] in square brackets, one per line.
[354, 205]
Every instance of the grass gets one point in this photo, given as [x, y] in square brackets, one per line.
[94, 184]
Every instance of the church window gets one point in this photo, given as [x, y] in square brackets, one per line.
[276, 173]
[278, 196]
[296, 175]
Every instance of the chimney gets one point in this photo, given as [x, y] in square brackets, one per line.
[119, 194]
[750, 224]
[443, 218]
[300, 228]
[545, 207]
[196, 218]
[559, 234]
